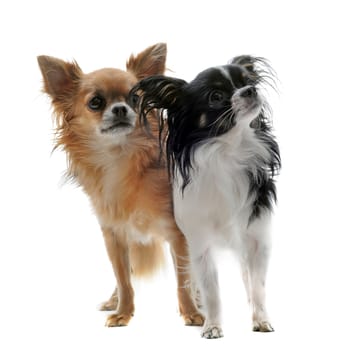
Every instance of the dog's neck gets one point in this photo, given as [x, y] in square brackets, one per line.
[92, 160]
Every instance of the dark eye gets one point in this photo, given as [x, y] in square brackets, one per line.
[97, 103]
[133, 100]
[215, 98]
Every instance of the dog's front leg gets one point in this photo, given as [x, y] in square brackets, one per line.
[207, 277]
[118, 252]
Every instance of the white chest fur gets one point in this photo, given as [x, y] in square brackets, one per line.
[216, 205]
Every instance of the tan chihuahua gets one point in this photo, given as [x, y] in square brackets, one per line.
[117, 164]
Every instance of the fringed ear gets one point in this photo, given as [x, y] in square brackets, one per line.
[60, 77]
[246, 61]
[148, 62]
[258, 68]
[157, 92]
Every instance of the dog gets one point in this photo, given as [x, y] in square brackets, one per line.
[223, 159]
[117, 165]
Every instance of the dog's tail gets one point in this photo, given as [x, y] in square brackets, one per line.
[147, 259]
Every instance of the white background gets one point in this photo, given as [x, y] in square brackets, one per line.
[53, 267]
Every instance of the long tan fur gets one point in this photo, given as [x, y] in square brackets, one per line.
[127, 184]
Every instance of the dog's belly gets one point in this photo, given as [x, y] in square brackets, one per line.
[134, 234]
[137, 227]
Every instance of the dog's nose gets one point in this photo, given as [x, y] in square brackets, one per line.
[248, 91]
[119, 111]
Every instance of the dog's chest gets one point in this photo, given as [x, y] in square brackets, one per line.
[109, 197]
[118, 205]
[217, 197]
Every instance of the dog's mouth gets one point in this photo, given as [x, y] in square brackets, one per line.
[255, 105]
[248, 108]
[119, 118]
[120, 126]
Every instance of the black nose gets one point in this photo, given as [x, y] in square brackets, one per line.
[248, 91]
[119, 111]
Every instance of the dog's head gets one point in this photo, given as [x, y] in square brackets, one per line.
[215, 101]
[95, 105]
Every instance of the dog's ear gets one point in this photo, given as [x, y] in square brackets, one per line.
[148, 62]
[258, 68]
[246, 61]
[158, 92]
[60, 77]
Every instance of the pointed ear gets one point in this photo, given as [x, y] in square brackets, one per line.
[60, 77]
[149, 62]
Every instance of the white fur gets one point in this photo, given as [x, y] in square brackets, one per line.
[214, 211]
[116, 136]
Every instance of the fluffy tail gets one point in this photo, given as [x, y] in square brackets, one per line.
[146, 259]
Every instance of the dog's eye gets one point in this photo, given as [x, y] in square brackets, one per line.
[215, 98]
[97, 103]
[133, 100]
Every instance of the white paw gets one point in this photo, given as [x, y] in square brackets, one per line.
[212, 332]
[262, 326]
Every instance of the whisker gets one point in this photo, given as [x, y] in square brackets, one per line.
[219, 122]
[220, 117]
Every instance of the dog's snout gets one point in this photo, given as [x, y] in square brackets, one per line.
[119, 111]
[249, 91]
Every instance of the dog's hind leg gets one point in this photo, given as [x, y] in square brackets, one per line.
[112, 303]
[187, 304]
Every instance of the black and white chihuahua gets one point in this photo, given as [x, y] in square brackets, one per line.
[222, 159]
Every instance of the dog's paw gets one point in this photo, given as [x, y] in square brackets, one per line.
[212, 332]
[110, 305]
[194, 319]
[118, 320]
[263, 326]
